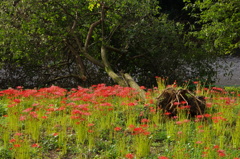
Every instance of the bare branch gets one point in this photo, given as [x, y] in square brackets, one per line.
[79, 61]
[90, 33]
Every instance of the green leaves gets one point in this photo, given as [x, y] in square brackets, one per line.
[219, 24]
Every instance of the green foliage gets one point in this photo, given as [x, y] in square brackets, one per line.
[43, 39]
[220, 23]
[232, 89]
[5, 153]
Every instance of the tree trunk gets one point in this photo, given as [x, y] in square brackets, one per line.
[134, 85]
[125, 80]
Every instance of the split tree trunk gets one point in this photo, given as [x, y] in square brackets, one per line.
[124, 80]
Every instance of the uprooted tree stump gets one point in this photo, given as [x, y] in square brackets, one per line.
[172, 100]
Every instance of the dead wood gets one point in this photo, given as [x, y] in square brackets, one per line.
[171, 101]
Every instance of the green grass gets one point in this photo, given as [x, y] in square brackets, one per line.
[110, 122]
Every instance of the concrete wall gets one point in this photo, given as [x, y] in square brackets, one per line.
[229, 76]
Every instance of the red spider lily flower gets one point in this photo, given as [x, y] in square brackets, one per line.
[216, 147]
[90, 124]
[142, 87]
[167, 113]
[163, 157]
[17, 145]
[12, 140]
[90, 131]
[145, 120]
[117, 128]
[27, 110]
[186, 121]
[200, 116]
[146, 133]
[18, 134]
[55, 134]
[33, 114]
[179, 122]
[17, 100]
[179, 132]
[131, 127]
[129, 155]
[144, 125]
[176, 103]
[35, 145]
[22, 118]
[183, 102]
[132, 104]
[207, 115]
[221, 154]
[199, 142]
[44, 117]
[19, 87]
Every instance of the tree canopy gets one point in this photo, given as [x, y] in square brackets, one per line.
[88, 41]
[219, 22]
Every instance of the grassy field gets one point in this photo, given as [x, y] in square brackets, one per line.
[108, 122]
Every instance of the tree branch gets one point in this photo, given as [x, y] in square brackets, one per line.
[89, 57]
[90, 33]
[79, 62]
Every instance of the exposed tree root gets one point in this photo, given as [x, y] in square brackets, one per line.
[172, 100]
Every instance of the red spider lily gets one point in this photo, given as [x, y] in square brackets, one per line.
[163, 157]
[9, 92]
[17, 100]
[145, 120]
[218, 118]
[176, 103]
[19, 87]
[207, 115]
[185, 107]
[90, 131]
[12, 140]
[195, 82]
[216, 147]
[17, 145]
[200, 116]
[129, 155]
[132, 104]
[90, 124]
[22, 118]
[55, 90]
[44, 117]
[55, 134]
[117, 128]
[221, 153]
[179, 132]
[35, 145]
[167, 113]
[179, 122]
[18, 134]
[199, 142]
[34, 114]
[27, 110]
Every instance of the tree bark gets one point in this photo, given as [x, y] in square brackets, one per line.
[134, 85]
[118, 79]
